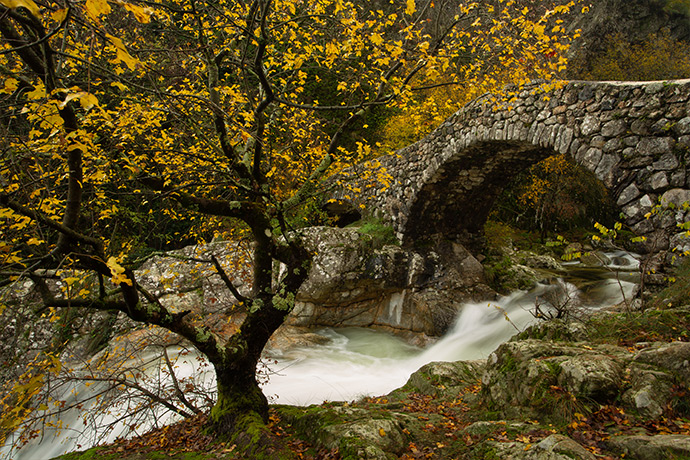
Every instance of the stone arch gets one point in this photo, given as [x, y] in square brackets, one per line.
[460, 194]
[634, 136]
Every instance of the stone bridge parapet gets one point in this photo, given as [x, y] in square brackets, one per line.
[634, 136]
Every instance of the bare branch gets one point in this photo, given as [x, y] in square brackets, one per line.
[228, 282]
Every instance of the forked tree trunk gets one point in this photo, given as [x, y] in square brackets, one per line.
[241, 410]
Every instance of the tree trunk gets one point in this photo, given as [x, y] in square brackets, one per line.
[240, 403]
[241, 411]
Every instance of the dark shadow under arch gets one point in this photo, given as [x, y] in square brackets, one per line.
[456, 201]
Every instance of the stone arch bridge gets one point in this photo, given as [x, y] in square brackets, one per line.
[634, 136]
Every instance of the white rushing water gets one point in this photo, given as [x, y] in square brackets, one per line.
[353, 363]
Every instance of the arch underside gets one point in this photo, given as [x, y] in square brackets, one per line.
[456, 201]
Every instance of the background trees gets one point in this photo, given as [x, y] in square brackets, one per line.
[214, 118]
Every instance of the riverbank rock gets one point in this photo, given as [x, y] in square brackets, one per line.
[554, 447]
[555, 380]
[355, 432]
[393, 288]
[659, 447]
[445, 378]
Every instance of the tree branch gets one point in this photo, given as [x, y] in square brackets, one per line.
[228, 282]
[259, 114]
[60, 227]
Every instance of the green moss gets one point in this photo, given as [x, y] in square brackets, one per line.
[285, 303]
[91, 454]
[376, 233]
[628, 328]
[509, 365]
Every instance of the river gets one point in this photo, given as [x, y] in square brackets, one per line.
[352, 363]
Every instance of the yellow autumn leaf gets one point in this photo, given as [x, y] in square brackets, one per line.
[39, 91]
[59, 15]
[71, 280]
[96, 8]
[122, 54]
[141, 14]
[118, 272]
[11, 84]
[119, 86]
[28, 4]
[377, 39]
[88, 101]
[410, 7]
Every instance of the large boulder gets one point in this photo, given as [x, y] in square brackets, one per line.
[356, 279]
[658, 447]
[673, 356]
[554, 447]
[355, 432]
[399, 289]
[559, 379]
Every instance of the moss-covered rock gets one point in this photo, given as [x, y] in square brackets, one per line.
[532, 376]
[659, 447]
[673, 356]
[554, 447]
[445, 377]
[556, 330]
[356, 432]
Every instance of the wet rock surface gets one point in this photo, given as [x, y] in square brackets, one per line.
[393, 288]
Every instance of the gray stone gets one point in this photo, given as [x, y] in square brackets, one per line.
[661, 126]
[673, 356]
[633, 211]
[678, 178]
[560, 444]
[597, 142]
[591, 159]
[682, 126]
[640, 127]
[590, 125]
[675, 197]
[613, 145]
[643, 227]
[631, 141]
[647, 201]
[658, 447]
[655, 145]
[606, 169]
[585, 94]
[445, 377]
[614, 128]
[658, 181]
[593, 376]
[654, 88]
[667, 162]
[650, 393]
[628, 194]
